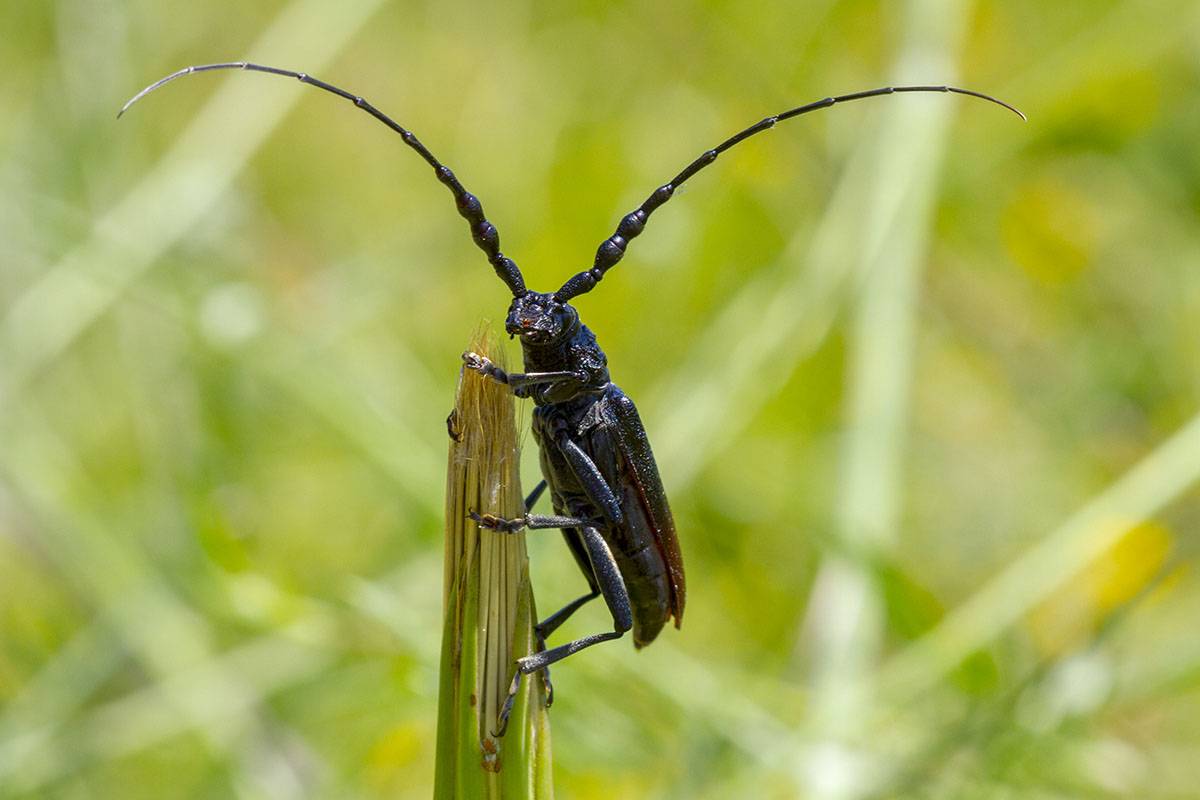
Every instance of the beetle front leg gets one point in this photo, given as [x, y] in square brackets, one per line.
[485, 367]
[520, 382]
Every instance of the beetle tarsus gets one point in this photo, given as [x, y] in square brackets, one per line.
[506, 709]
[547, 686]
[498, 524]
[515, 686]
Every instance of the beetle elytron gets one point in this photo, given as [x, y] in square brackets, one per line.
[607, 495]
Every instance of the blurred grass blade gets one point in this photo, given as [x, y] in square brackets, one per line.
[1167, 472]
[186, 183]
[845, 626]
[489, 611]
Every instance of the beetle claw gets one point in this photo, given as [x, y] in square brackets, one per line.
[475, 361]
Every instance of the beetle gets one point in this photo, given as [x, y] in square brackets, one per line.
[605, 489]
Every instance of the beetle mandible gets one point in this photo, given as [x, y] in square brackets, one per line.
[605, 489]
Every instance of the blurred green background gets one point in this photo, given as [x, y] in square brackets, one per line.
[923, 382]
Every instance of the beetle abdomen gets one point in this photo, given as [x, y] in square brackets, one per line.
[645, 577]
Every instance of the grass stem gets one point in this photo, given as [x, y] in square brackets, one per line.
[489, 609]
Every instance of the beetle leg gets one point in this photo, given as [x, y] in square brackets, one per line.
[547, 627]
[616, 596]
[522, 381]
[589, 475]
[546, 684]
[534, 495]
[533, 522]
[519, 382]
[544, 659]
[551, 623]
[484, 366]
[515, 686]
[506, 709]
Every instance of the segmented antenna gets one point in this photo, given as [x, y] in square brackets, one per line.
[483, 232]
[612, 249]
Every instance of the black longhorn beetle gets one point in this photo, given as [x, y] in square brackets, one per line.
[607, 495]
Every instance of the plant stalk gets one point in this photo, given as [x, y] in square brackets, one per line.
[488, 606]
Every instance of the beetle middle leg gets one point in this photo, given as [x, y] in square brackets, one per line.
[533, 522]
[610, 585]
[530, 521]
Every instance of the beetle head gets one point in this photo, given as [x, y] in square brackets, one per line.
[539, 318]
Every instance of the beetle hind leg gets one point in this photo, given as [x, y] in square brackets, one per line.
[610, 585]
[549, 625]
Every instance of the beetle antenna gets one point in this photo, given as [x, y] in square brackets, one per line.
[483, 232]
[612, 249]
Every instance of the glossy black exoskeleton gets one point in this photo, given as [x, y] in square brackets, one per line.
[605, 488]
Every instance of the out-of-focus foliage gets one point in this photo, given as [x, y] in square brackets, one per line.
[922, 380]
